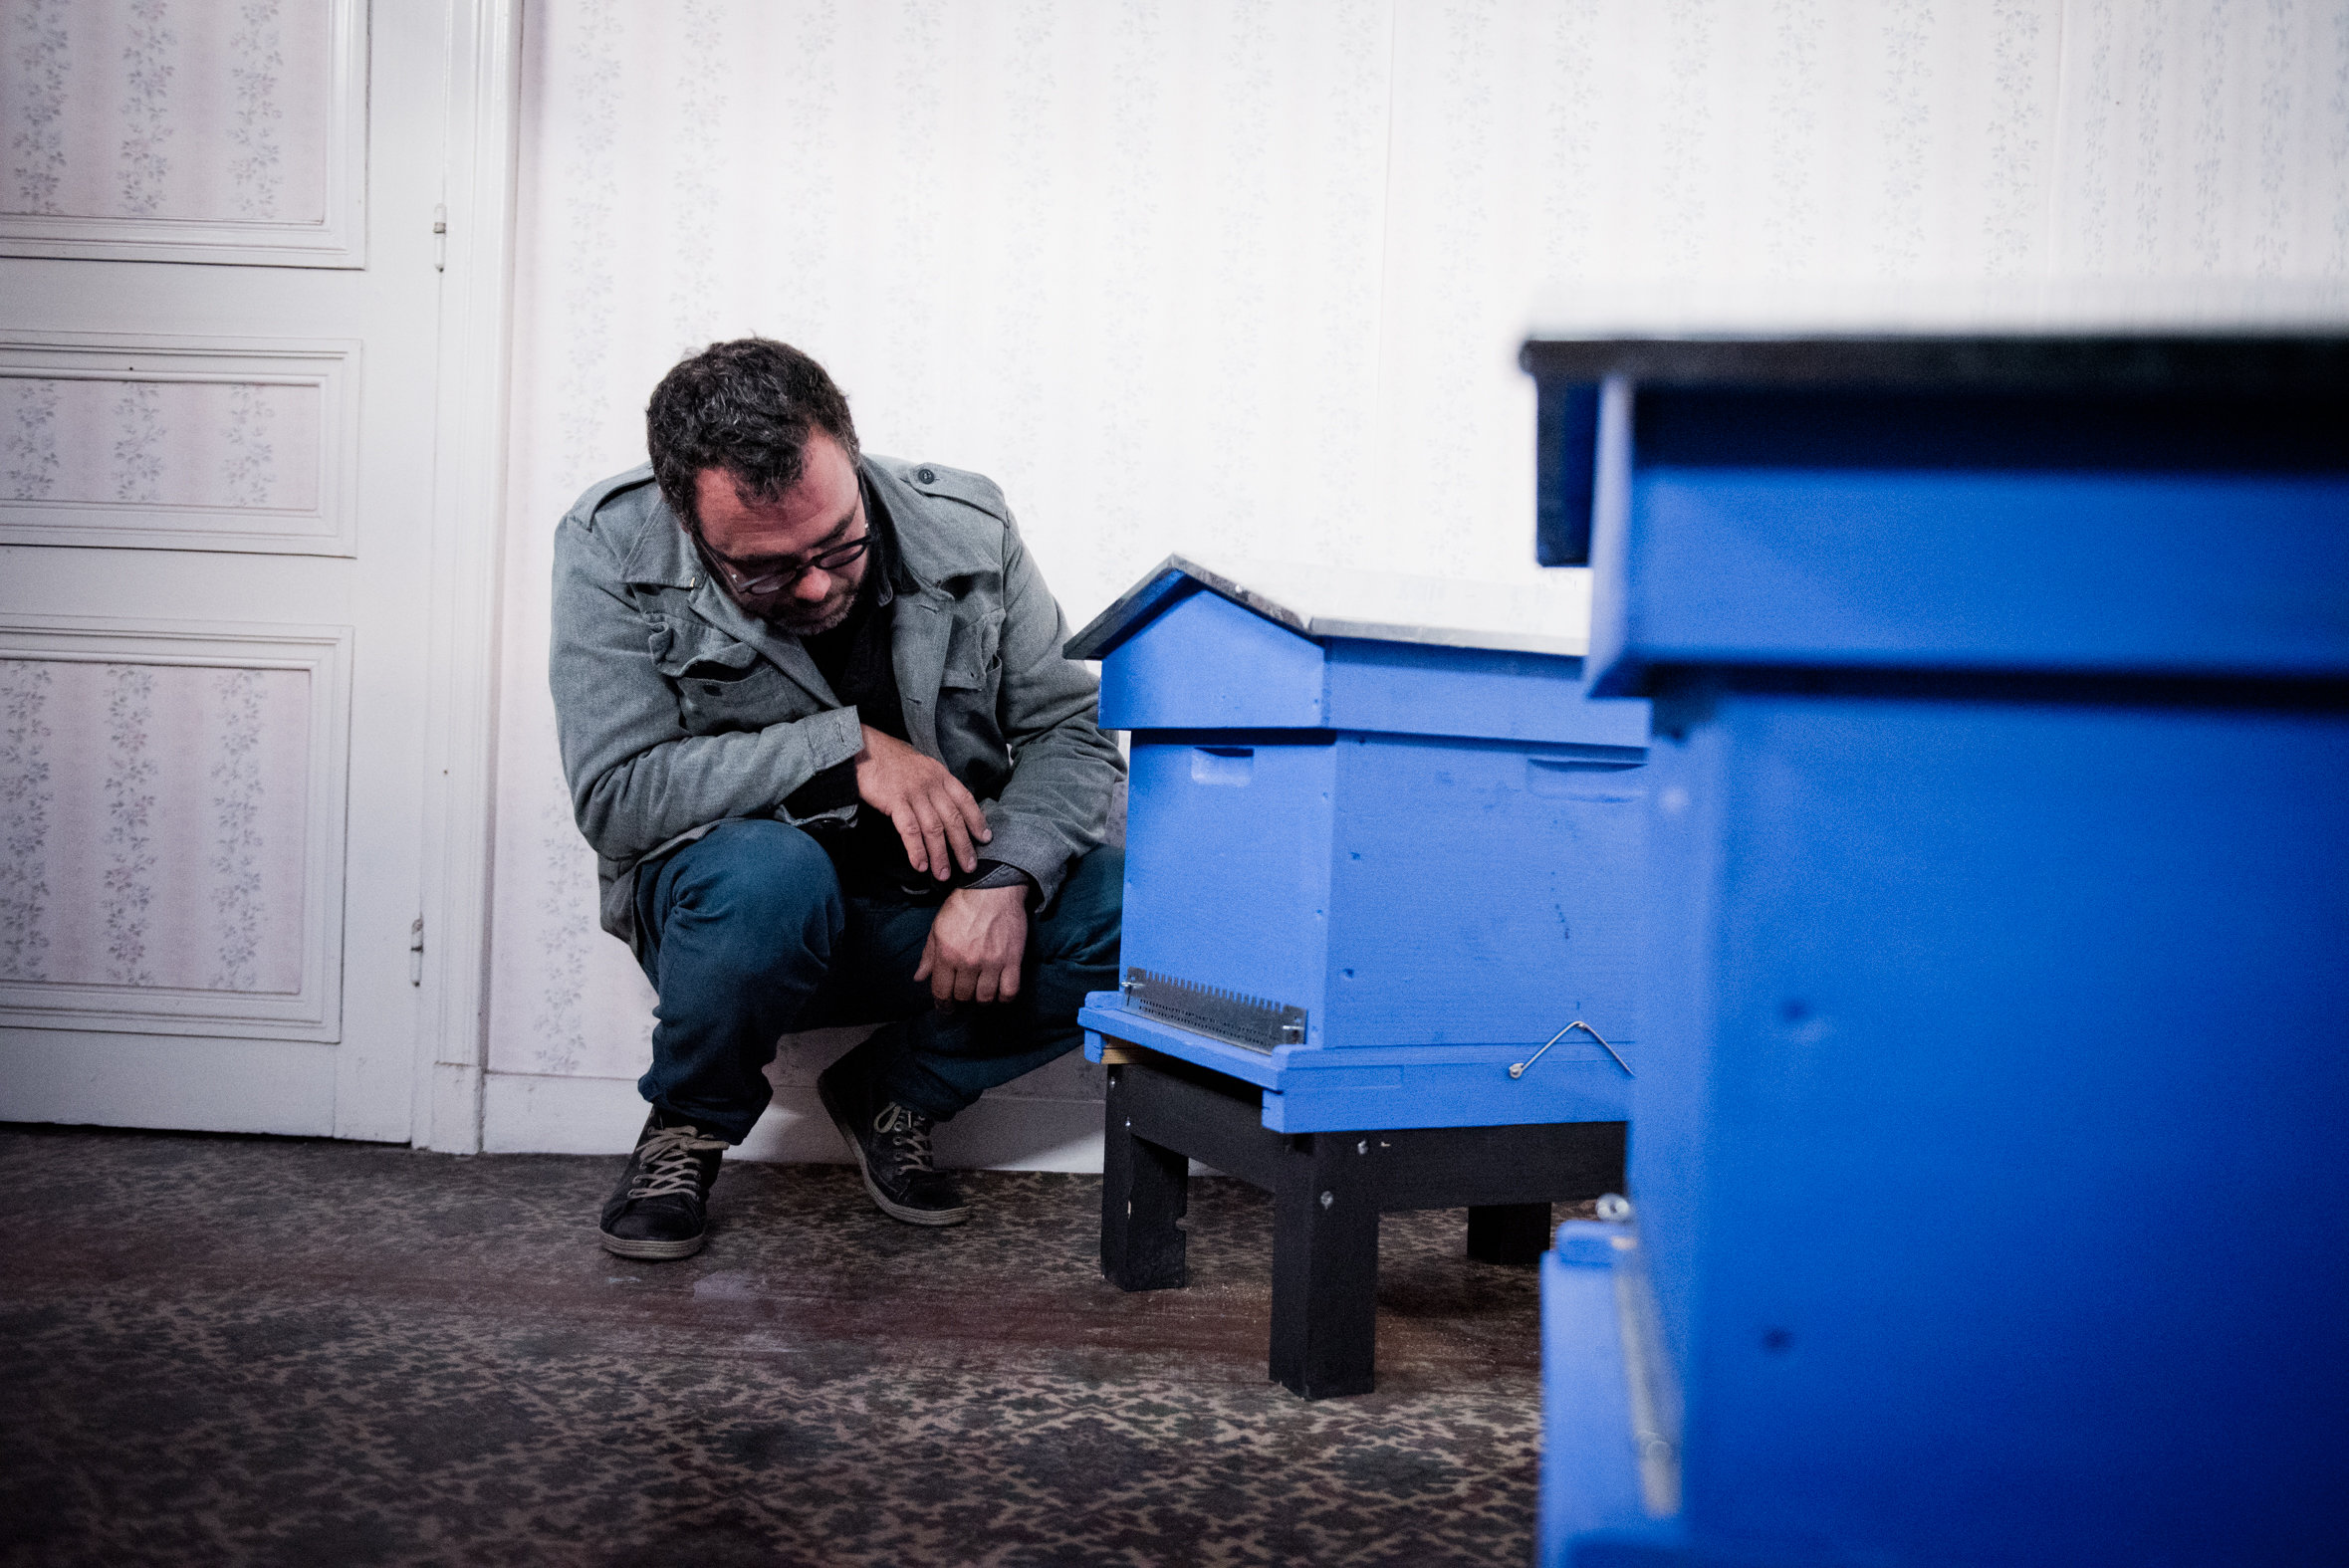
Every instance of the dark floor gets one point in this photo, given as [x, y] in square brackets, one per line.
[224, 1350]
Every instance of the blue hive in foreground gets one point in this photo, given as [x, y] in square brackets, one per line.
[1988, 1149]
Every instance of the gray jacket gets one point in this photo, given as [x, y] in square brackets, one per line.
[676, 711]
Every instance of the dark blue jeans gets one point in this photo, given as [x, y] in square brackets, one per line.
[748, 937]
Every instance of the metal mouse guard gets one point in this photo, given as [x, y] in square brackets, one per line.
[1206, 1009]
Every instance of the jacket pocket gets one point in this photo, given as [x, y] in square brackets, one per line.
[974, 657]
[722, 685]
[970, 688]
[682, 647]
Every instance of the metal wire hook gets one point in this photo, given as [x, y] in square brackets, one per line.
[1517, 1070]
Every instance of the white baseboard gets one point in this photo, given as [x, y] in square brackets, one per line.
[524, 1113]
[159, 1080]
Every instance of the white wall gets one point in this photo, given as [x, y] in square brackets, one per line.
[1249, 279]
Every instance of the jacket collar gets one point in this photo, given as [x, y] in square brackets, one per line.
[932, 550]
[664, 556]
[931, 553]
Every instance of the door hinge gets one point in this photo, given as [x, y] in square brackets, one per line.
[416, 952]
[440, 239]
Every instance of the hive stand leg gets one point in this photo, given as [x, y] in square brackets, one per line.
[1145, 1191]
[1325, 1269]
[1509, 1233]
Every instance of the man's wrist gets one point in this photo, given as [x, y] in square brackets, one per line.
[999, 876]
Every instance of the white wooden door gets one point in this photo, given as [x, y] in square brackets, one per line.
[218, 307]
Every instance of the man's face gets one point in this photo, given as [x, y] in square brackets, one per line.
[820, 512]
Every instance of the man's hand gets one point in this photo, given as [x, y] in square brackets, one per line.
[934, 813]
[975, 946]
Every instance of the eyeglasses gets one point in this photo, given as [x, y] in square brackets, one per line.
[764, 581]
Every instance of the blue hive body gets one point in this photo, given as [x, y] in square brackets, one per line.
[1988, 1144]
[1427, 848]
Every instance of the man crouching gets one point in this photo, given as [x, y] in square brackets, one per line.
[818, 726]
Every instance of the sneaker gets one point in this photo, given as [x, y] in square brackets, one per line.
[658, 1210]
[892, 1149]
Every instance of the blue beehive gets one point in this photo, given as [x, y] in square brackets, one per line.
[1988, 1151]
[1370, 866]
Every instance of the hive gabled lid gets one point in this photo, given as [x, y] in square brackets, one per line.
[1325, 602]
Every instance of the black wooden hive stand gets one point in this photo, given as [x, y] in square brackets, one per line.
[1328, 1189]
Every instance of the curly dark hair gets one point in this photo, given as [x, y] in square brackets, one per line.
[745, 407]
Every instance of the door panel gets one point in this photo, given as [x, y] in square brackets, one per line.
[215, 516]
[187, 131]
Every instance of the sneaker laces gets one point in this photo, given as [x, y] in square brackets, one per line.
[665, 1163]
[908, 1133]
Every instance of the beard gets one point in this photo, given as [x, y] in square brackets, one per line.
[814, 620]
[802, 619]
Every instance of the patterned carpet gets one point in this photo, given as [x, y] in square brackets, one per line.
[223, 1350]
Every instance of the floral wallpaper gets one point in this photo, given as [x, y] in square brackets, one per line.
[204, 110]
[1249, 279]
[90, 441]
[154, 825]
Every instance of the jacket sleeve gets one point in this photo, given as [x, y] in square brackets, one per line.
[638, 777]
[1055, 805]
